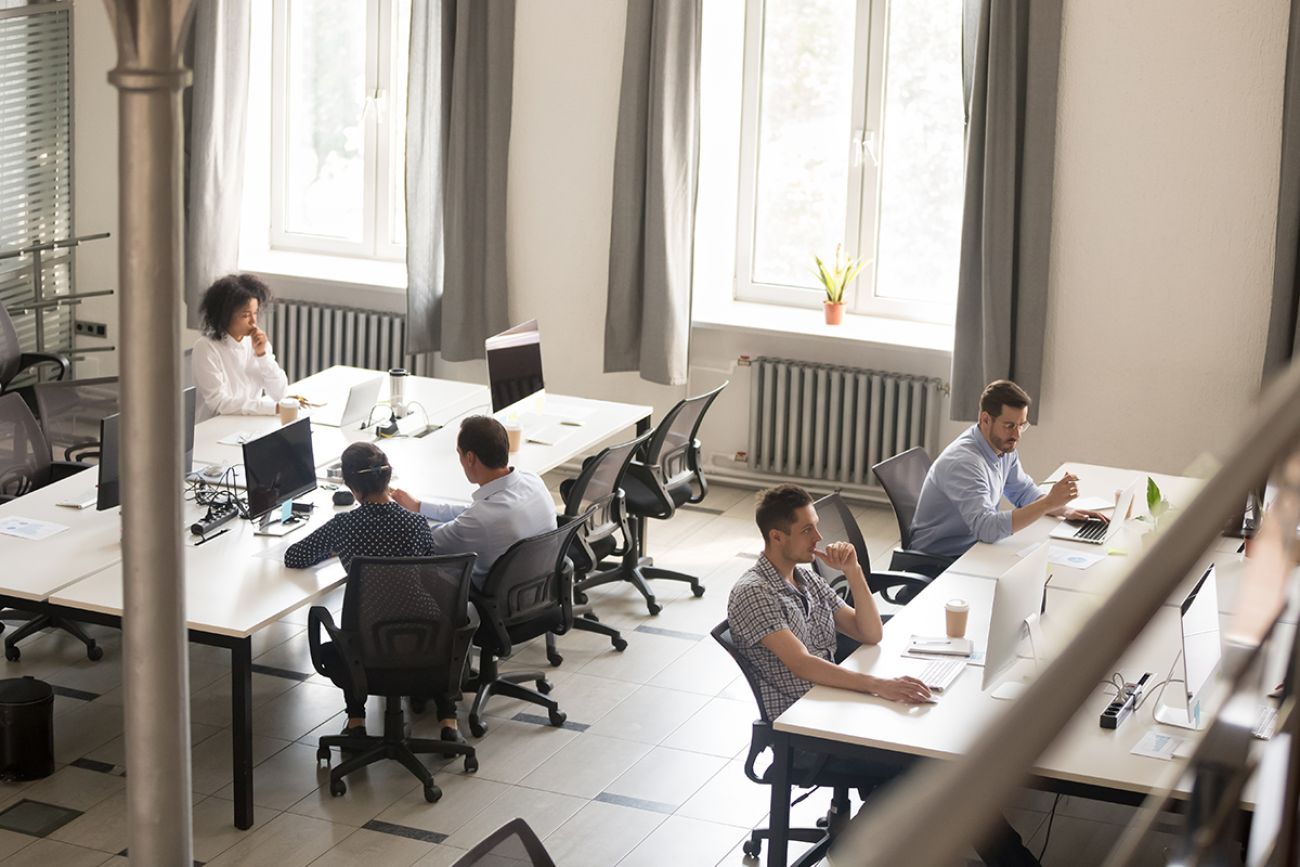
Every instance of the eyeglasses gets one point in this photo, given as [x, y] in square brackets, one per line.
[1009, 426]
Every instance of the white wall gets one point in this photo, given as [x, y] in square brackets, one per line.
[1167, 149]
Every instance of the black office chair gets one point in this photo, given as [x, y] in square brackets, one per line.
[26, 465]
[667, 475]
[14, 362]
[514, 844]
[527, 593]
[406, 630]
[607, 533]
[70, 412]
[902, 477]
[807, 771]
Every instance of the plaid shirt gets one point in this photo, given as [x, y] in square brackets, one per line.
[762, 602]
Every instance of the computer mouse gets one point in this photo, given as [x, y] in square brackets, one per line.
[215, 471]
[343, 498]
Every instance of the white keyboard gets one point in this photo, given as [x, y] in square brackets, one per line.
[1265, 722]
[940, 674]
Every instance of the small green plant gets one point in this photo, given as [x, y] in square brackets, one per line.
[836, 279]
[1156, 504]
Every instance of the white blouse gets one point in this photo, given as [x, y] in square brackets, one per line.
[231, 380]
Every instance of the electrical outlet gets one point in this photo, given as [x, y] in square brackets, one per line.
[91, 329]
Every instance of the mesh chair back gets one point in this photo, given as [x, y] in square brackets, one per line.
[836, 523]
[10, 350]
[529, 584]
[902, 476]
[599, 488]
[70, 411]
[24, 452]
[722, 634]
[405, 612]
[672, 448]
[512, 845]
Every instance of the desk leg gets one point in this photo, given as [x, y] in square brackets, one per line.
[642, 426]
[241, 734]
[778, 822]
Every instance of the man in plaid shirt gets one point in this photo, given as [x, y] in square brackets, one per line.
[784, 619]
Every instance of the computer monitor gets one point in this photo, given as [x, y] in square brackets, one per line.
[514, 360]
[1202, 648]
[1018, 600]
[279, 466]
[108, 491]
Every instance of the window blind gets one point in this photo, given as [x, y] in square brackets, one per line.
[36, 165]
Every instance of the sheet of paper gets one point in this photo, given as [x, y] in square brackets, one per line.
[1096, 504]
[238, 438]
[1060, 556]
[1157, 745]
[1028, 549]
[29, 528]
[976, 657]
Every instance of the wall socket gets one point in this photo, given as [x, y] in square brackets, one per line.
[91, 329]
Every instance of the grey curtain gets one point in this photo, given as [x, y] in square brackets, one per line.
[457, 145]
[651, 247]
[1006, 225]
[218, 105]
[1284, 316]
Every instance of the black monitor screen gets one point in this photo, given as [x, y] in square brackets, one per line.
[108, 494]
[514, 360]
[279, 466]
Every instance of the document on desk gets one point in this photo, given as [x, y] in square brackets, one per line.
[30, 529]
[238, 438]
[1156, 744]
[1060, 556]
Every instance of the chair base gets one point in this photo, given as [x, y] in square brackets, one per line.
[822, 836]
[585, 620]
[37, 621]
[492, 682]
[393, 744]
[637, 571]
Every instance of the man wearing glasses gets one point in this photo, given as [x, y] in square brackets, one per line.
[959, 500]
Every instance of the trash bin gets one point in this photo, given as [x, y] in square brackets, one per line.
[26, 729]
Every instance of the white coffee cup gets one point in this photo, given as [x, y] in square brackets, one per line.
[955, 613]
[515, 434]
[289, 410]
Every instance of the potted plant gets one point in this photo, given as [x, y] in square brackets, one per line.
[835, 280]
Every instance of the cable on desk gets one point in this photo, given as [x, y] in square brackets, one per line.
[1160, 687]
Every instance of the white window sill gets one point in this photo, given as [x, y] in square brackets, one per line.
[374, 274]
[731, 315]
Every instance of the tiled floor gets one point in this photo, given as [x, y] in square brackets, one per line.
[649, 770]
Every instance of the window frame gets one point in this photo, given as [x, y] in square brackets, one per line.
[383, 171]
[864, 152]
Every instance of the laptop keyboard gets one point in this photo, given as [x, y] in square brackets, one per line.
[1092, 531]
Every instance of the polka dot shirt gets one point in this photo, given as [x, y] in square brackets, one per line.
[370, 530]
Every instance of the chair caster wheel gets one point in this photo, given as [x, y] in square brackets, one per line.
[697, 590]
[620, 644]
[579, 597]
[545, 687]
[432, 793]
[591, 615]
[338, 788]
[13, 654]
[752, 848]
[654, 607]
[558, 717]
[94, 653]
[471, 764]
[323, 755]
[554, 659]
[477, 727]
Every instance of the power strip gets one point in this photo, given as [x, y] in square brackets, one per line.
[216, 516]
[1125, 703]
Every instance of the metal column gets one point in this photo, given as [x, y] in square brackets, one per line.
[150, 77]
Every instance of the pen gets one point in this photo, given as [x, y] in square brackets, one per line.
[928, 643]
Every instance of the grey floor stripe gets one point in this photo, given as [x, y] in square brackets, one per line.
[123, 854]
[671, 633]
[98, 766]
[636, 803]
[404, 831]
[280, 672]
[537, 719]
[704, 509]
[69, 692]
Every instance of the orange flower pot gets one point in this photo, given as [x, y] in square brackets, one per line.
[834, 313]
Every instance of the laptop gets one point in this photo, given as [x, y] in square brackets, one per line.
[362, 398]
[1096, 532]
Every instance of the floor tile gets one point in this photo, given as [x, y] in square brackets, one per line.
[729, 798]
[371, 790]
[210, 767]
[649, 715]
[75, 788]
[285, 778]
[543, 811]
[288, 840]
[586, 765]
[441, 856]
[599, 835]
[211, 705]
[704, 668]
[684, 841]
[666, 776]
[372, 847]
[297, 710]
[11, 842]
[35, 818]
[463, 798]
[653, 654]
[720, 728]
[511, 750]
[42, 853]
[214, 827]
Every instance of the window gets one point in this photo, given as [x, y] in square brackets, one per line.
[327, 106]
[852, 131]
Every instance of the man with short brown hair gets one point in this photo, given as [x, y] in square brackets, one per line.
[958, 505]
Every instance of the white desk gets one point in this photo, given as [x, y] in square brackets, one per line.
[232, 588]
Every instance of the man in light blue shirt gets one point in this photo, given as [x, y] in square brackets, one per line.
[959, 500]
[509, 504]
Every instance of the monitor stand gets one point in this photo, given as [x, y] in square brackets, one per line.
[1023, 671]
[278, 523]
[1172, 715]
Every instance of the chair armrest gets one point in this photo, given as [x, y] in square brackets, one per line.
[760, 738]
[906, 585]
[915, 561]
[78, 452]
[566, 596]
[319, 617]
[488, 619]
[31, 359]
[648, 476]
[64, 469]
